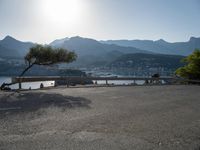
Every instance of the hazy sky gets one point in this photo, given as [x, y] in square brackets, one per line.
[45, 20]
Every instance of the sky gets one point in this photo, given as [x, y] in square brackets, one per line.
[43, 21]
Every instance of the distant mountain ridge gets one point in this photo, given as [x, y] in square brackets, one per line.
[85, 46]
[160, 46]
[101, 50]
[91, 51]
[58, 41]
[12, 48]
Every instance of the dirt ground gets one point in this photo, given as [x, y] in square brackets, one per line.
[110, 118]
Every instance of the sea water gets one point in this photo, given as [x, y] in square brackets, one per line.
[27, 85]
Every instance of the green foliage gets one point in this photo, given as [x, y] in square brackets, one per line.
[192, 69]
[46, 55]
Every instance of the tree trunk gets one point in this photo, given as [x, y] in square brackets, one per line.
[25, 70]
[8, 84]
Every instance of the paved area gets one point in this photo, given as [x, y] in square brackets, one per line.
[110, 118]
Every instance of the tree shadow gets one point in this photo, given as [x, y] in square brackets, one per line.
[27, 102]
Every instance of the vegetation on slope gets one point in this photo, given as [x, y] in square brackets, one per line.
[192, 68]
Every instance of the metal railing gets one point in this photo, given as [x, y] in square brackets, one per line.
[68, 79]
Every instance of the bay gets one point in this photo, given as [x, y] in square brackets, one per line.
[27, 85]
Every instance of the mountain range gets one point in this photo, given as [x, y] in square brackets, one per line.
[160, 46]
[132, 56]
[12, 48]
[86, 46]
[91, 51]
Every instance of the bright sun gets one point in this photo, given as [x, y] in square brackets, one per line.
[62, 11]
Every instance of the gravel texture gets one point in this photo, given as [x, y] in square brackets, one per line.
[110, 118]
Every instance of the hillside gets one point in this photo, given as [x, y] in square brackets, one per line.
[12, 48]
[93, 53]
[86, 46]
[148, 61]
[8, 53]
[160, 46]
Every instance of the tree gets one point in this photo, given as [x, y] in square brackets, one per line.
[192, 68]
[46, 55]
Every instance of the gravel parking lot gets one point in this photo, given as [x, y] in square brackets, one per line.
[110, 118]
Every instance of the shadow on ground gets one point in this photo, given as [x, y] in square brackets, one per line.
[26, 102]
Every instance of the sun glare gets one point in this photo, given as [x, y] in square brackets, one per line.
[62, 11]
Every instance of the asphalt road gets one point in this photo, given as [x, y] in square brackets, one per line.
[110, 118]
